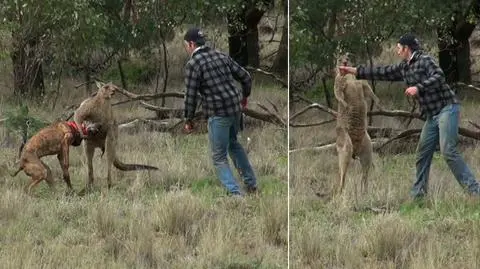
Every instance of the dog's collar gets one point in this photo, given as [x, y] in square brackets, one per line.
[74, 127]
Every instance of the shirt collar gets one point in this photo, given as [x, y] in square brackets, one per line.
[197, 49]
[411, 57]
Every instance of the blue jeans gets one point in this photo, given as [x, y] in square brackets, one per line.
[442, 128]
[222, 133]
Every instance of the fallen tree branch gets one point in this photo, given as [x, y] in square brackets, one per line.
[404, 134]
[164, 112]
[159, 126]
[148, 97]
[469, 133]
[179, 113]
[302, 98]
[314, 106]
[395, 113]
[276, 117]
[268, 117]
[474, 124]
[273, 105]
[388, 113]
[302, 125]
[332, 146]
[270, 74]
[375, 132]
[470, 86]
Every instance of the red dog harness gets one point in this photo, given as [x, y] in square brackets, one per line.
[77, 139]
[74, 126]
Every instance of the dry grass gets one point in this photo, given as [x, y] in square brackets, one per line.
[330, 233]
[178, 217]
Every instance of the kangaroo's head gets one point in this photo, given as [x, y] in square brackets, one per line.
[107, 90]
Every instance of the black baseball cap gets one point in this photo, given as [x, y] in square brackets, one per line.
[409, 40]
[195, 35]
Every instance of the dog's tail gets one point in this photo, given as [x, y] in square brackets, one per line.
[131, 167]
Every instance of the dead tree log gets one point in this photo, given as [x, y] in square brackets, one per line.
[332, 146]
[269, 115]
[270, 74]
[389, 133]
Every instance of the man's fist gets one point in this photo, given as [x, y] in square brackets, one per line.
[347, 70]
[244, 102]
[188, 128]
[411, 91]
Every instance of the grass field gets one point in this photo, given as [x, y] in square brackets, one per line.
[178, 217]
[385, 229]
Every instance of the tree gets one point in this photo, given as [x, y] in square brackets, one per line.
[29, 25]
[361, 27]
[280, 65]
[457, 24]
[243, 20]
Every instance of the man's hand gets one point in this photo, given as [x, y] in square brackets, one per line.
[188, 128]
[243, 103]
[347, 70]
[411, 91]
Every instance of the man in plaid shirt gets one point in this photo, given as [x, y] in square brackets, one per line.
[439, 108]
[212, 74]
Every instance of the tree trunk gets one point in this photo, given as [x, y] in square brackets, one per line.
[237, 40]
[243, 35]
[328, 98]
[253, 57]
[280, 64]
[447, 58]
[88, 79]
[454, 48]
[253, 48]
[463, 61]
[27, 68]
[122, 75]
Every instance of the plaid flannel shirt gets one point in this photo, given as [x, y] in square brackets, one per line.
[212, 75]
[422, 72]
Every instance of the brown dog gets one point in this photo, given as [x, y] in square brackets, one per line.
[54, 139]
[98, 109]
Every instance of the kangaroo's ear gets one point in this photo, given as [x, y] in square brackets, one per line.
[99, 84]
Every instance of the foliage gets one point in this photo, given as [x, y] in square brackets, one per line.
[22, 123]
[90, 34]
[319, 29]
[136, 72]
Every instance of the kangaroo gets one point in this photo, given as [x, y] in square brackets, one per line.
[98, 109]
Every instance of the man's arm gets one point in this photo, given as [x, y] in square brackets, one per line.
[385, 73]
[435, 75]
[192, 77]
[242, 75]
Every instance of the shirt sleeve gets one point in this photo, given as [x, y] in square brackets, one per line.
[435, 75]
[192, 83]
[385, 73]
[242, 75]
